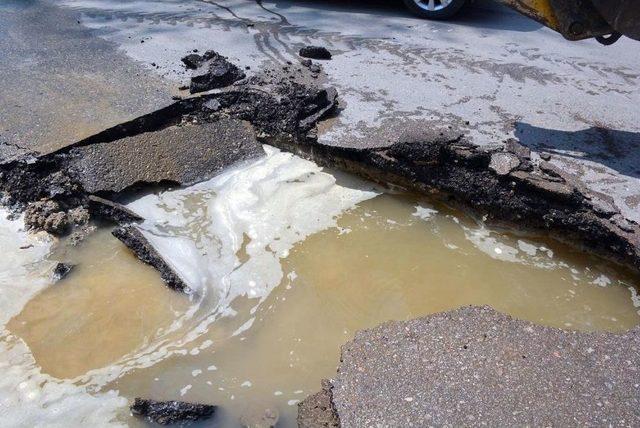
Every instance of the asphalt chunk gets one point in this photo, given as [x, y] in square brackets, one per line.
[181, 154]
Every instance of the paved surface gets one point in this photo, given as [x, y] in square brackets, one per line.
[502, 73]
[181, 154]
[59, 82]
[474, 366]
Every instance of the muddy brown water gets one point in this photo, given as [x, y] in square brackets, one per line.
[112, 324]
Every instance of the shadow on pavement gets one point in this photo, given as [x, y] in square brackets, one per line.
[482, 14]
[619, 150]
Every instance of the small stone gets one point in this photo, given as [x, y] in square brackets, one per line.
[62, 270]
[315, 52]
[517, 149]
[78, 216]
[215, 71]
[192, 61]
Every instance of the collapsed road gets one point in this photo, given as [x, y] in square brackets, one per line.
[503, 176]
[193, 139]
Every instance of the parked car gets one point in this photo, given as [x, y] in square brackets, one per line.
[435, 9]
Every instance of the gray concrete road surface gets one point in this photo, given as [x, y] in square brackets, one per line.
[490, 72]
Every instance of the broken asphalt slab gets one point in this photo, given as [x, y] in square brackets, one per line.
[474, 366]
[182, 154]
[137, 242]
[171, 412]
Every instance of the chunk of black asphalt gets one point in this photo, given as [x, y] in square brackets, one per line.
[315, 52]
[171, 412]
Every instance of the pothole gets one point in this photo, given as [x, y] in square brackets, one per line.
[285, 261]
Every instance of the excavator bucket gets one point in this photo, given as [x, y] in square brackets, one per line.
[581, 19]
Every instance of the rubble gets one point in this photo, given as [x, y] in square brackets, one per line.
[315, 52]
[194, 138]
[211, 71]
[171, 412]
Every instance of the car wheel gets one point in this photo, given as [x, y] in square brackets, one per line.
[435, 9]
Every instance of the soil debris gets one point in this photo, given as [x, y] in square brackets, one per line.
[171, 412]
[315, 52]
[47, 215]
[177, 154]
[211, 71]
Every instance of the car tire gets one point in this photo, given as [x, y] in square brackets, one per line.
[435, 9]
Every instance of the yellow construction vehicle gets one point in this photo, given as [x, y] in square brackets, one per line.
[606, 20]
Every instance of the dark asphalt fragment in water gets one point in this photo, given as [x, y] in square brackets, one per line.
[171, 412]
[62, 270]
[134, 239]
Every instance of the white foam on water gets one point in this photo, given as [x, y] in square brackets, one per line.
[225, 237]
[29, 398]
[424, 213]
